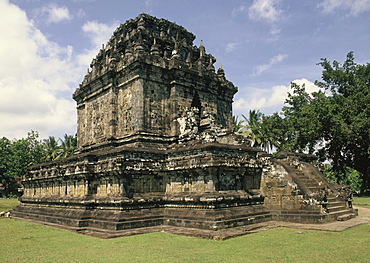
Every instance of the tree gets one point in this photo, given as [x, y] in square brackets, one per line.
[6, 178]
[15, 157]
[303, 119]
[350, 177]
[347, 123]
[278, 132]
[52, 149]
[68, 145]
[237, 125]
[256, 130]
[335, 123]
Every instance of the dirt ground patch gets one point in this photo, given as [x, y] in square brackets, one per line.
[363, 211]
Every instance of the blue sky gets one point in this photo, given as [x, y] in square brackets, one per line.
[263, 45]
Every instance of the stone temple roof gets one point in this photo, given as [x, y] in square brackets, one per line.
[156, 41]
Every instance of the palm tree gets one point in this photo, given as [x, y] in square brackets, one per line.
[68, 145]
[240, 129]
[254, 127]
[257, 133]
[52, 149]
[237, 125]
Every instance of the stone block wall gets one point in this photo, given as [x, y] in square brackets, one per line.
[278, 188]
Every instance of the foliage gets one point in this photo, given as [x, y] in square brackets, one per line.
[4, 163]
[237, 125]
[346, 129]
[302, 120]
[350, 177]
[266, 132]
[51, 149]
[255, 130]
[17, 155]
[333, 123]
[68, 145]
[256, 135]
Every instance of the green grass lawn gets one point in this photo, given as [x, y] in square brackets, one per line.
[28, 242]
[361, 200]
[8, 204]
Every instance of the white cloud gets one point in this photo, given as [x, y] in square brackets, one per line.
[81, 13]
[150, 3]
[35, 72]
[264, 10]
[274, 60]
[98, 33]
[275, 30]
[269, 100]
[54, 14]
[354, 6]
[231, 46]
[241, 9]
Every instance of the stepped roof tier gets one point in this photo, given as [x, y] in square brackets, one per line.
[154, 79]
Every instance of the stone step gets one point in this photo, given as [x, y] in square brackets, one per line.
[340, 212]
[303, 176]
[312, 186]
[312, 218]
[216, 225]
[309, 181]
[302, 212]
[346, 217]
[337, 208]
[336, 203]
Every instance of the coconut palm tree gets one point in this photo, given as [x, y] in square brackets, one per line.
[52, 149]
[256, 132]
[68, 145]
[237, 125]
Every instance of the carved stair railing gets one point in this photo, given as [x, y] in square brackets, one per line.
[318, 174]
[306, 192]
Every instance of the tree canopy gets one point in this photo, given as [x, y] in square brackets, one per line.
[333, 123]
[17, 155]
[344, 116]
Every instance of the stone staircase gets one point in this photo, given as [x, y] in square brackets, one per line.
[339, 210]
[313, 186]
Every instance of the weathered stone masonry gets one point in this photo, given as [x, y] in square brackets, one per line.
[156, 151]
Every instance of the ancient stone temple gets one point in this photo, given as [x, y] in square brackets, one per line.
[156, 151]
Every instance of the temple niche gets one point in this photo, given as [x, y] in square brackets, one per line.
[156, 151]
